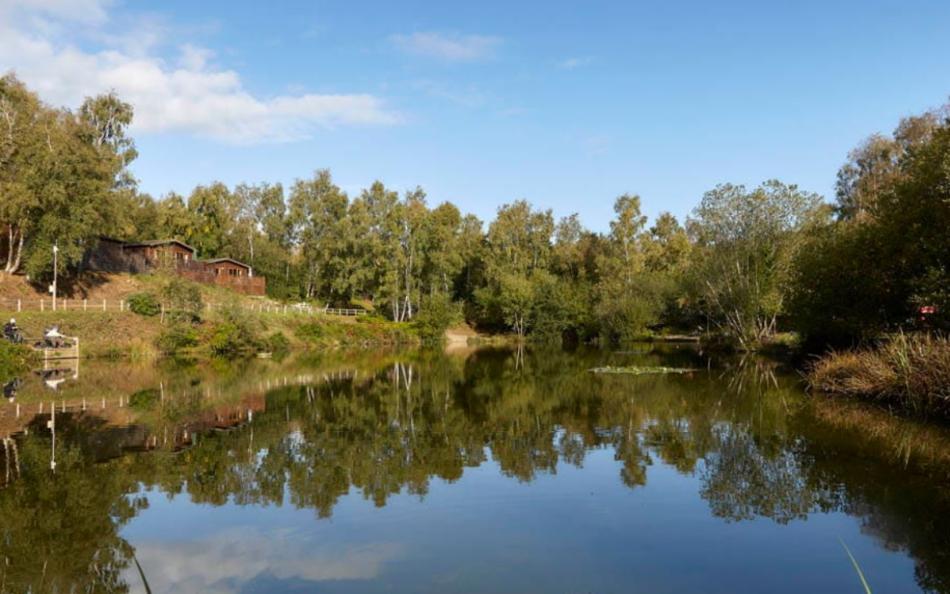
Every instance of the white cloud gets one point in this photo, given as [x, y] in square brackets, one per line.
[83, 11]
[187, 94]
[224, 562]
[451, 48]
[572, 63]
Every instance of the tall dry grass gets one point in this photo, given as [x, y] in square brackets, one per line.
[910, 370]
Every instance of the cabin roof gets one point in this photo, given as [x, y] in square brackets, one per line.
[159, 242]
[223, 260]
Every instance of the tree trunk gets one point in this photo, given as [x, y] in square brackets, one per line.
[15, 255]
[6, 265]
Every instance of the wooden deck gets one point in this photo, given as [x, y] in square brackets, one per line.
[53, 354]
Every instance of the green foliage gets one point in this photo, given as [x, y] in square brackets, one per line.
[277, 343]
[627, 314]
[144, 304]
[518, 251]
[183, 299]
[559, 308]
[366, 330]
[837, 282]
[746, 245]
[59, 172]
[889, 254]
[748, 261]
[235, 331]
[177, 336]
[437, 313]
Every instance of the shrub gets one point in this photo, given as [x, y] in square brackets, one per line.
[277, 343]
[436, 313]
[177, 336]
[234, 332]
[626, 315]
[184, 300]
[225, 339]
[910, 370]
[144, 304]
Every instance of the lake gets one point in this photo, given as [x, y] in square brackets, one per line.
[490, 470]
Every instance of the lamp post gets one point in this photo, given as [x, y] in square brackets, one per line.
[55, 266]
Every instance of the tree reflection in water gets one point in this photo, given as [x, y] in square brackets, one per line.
[759, 447]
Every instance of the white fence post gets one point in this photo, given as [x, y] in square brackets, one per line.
[19, 305]
[103, 305]
[42, 307]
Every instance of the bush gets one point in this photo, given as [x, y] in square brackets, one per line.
[912, 371]
[177, 336]
[184, 300]
[436, 313]
[234, 332]
[144, 304]
[625, 315]
[277, 343]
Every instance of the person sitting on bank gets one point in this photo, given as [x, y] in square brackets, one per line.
[12, 332]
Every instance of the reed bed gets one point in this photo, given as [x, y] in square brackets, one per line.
[909, 370]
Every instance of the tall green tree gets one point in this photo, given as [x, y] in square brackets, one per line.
[746, 244]
[214, 212]
[518, 250]
[319, 226]
[56, 180]
[627, 301]
[875, 165]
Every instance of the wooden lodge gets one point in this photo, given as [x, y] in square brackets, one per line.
[172, 255]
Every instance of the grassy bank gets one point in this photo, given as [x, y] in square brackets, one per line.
[910, 371]
[149, 315]
[125, 334]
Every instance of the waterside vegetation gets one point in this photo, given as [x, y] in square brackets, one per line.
[909, 371]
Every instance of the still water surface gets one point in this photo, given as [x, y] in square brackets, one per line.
[483, 471]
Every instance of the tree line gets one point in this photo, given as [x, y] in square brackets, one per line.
[746, 264]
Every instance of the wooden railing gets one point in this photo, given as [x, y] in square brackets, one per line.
[13, 306]
[343, 312]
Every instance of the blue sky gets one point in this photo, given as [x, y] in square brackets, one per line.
[565, 104]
